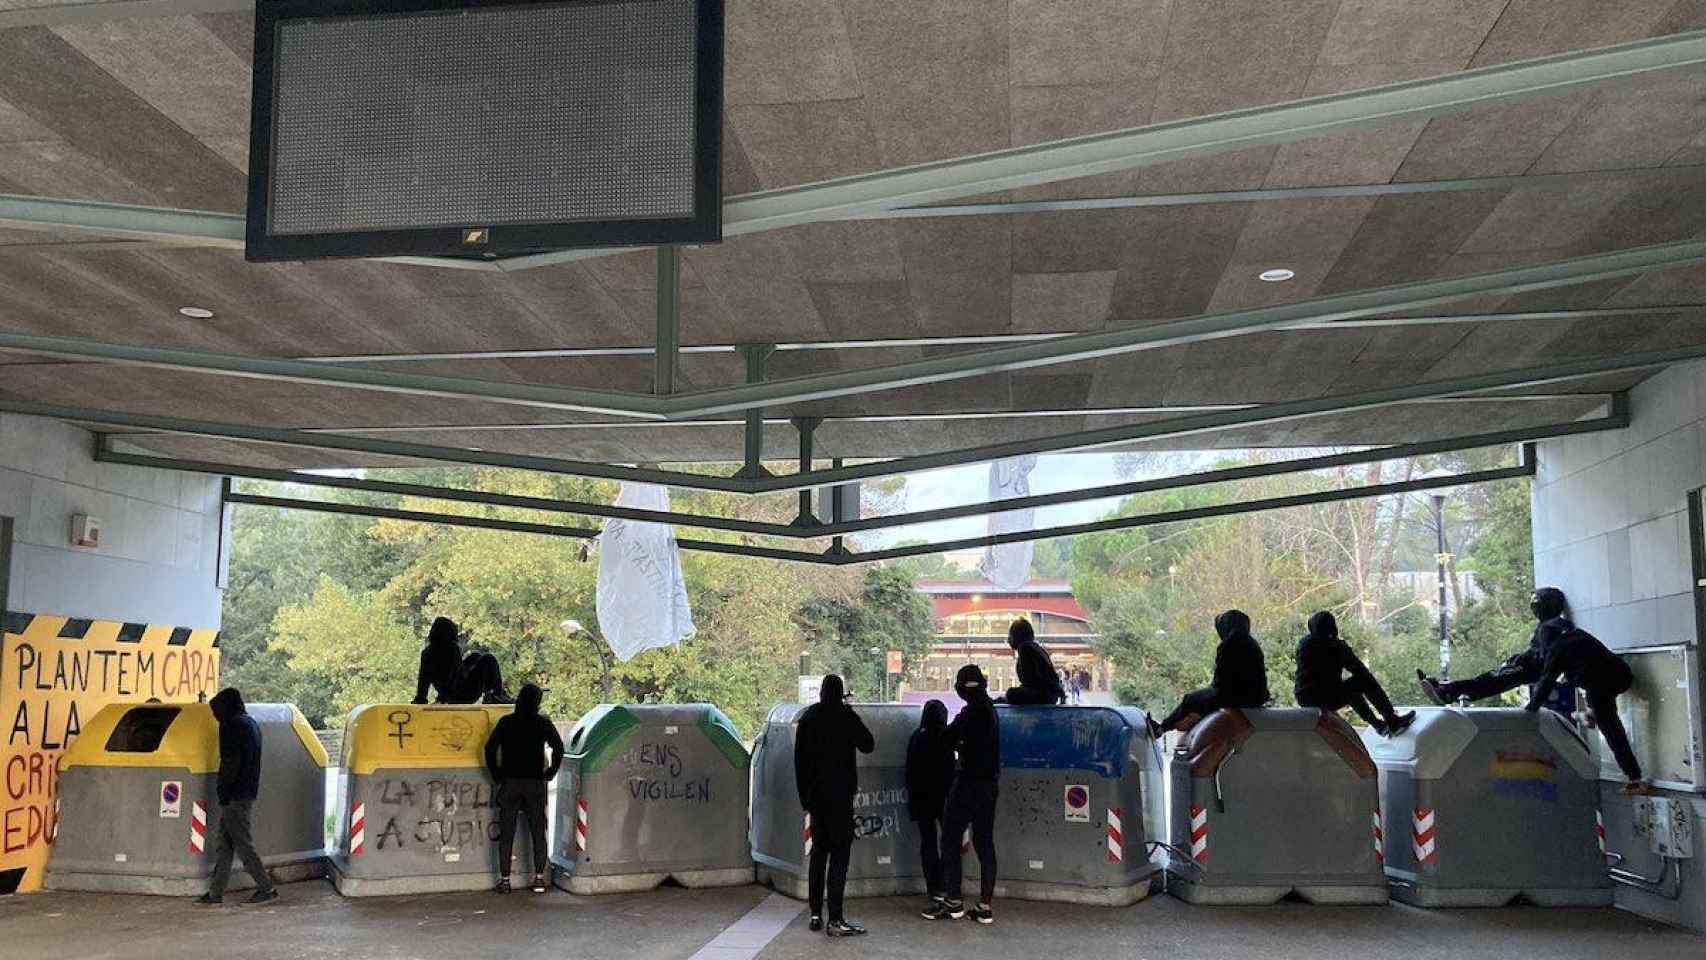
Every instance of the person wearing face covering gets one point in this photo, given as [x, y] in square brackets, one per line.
[515, 757]
[238, 785]
[1583, 662]
[1240, 677]
[827, 739]
[975, 736]
[929, 772]
[1330, 676]
[1550, 610]
[457, 679]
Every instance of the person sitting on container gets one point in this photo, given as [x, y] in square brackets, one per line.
[976, 737]
[238, 785]
[929, 772]
[1584, 663]
[515, 757]
[1323, 660]
[1240, 678]
[1519, 670]
[826, 773]
[1038, 681]
[456, 678]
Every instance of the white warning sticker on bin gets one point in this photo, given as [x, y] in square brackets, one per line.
[1077, 803]
[171, 799]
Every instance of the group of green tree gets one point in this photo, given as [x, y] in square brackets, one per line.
[329, 611]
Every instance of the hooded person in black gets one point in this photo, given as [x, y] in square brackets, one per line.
[515, 756]
[827, 739]
[929, 772]
[1583, 662]
[1549, 606]
[1240, 677]
[1039, 682]
[976, 737]
[456, 678]
[238, 785]
[1323, 660]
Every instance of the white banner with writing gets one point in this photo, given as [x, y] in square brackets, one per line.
[642, 593]
[1008, 565]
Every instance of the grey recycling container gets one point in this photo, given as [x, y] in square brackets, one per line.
[417, 811]
[138, 810]
[1265, 803]
[1069, 821]
[650, 793]
[1482, 806]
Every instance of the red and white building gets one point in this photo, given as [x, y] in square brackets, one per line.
[971, 618]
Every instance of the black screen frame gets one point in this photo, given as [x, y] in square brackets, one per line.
[503, 240]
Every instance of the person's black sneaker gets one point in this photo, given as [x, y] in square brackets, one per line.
[1378, 727]
[1430, 688]
[263, 896]
[539, 884]
[841, 928]
[1155, 731]
[1399, 724]
[815, 925]
[956, 909]
[938, 910]
[983, 914]
[502, 885]
[209, 898]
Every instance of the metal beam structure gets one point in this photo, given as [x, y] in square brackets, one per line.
[1171, 428]
[668, 347]
[843, 557]
[888, 190]
[1019, 356]
[1616, 417]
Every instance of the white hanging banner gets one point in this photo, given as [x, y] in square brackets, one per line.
[642, 593]
[1008, 565]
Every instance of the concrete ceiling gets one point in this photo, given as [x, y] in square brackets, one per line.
[154, 111]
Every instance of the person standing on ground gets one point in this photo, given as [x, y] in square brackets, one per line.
[929, 772]
[457, 679]
[976, 736]
[1323, 660]
[1039, 683]
[826, 772]
[238, 785]
[1240, 677]
[515, 757]
[1583, 662]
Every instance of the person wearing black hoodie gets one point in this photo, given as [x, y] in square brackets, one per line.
[1584, 663]
[929, 772]
[1039, 682]
[976, 736]
[826, 772]
[1551, 610]
[456, 678]
[1240, 677]
[238, 785]
[1323, 660]
[515, 756]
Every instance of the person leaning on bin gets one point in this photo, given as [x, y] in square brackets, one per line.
[827, 775]
[1039, 683]
[515, 757]
[1240, 677]
[975, 736]
[929, 772]
[238, 785]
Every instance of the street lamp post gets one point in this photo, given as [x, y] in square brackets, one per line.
[882, 675]
[1442, 557]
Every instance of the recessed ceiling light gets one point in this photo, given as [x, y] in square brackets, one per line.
[196, 313]
[1276, 275]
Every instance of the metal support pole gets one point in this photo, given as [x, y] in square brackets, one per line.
[806, 427]
[838, 545]
[1440, 558]
[756, 355]
[669, 320]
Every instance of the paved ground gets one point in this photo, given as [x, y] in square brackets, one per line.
[313, 922]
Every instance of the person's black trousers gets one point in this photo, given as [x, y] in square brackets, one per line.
[1361, 693]
[1031, 697]
[1603, 702]
[1518, 671]
[970, 802]
[516, 799]
[1199, 703]
[832, 848]
[237, 839]
[930, 852]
